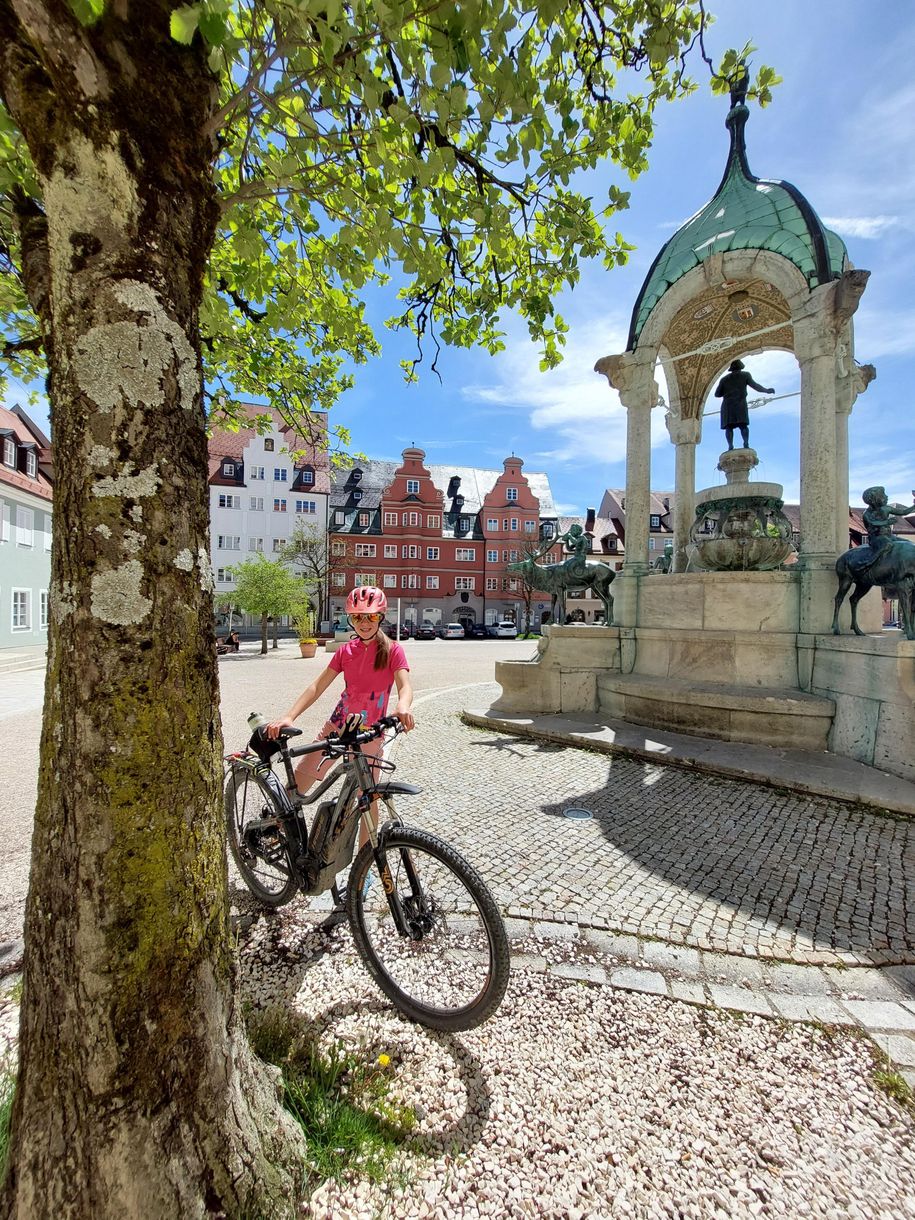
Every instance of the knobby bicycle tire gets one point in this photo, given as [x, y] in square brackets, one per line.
[266, 872]
[459, 961]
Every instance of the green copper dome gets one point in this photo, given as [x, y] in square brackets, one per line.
[745, 213]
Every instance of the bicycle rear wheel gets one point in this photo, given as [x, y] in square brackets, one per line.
[452, 969]
[257, 838]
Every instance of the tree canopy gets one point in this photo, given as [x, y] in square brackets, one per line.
[436, 143]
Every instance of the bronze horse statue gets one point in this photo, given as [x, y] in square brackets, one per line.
[558, 579]
[893, 567]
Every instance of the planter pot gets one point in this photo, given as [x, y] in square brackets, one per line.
[308, 648]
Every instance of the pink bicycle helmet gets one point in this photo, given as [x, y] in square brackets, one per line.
[366, 600]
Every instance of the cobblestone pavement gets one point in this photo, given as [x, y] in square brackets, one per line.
[692, 860]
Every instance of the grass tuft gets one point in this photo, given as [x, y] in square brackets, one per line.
[894, 1085]
[342, 1102]
[7, 1093]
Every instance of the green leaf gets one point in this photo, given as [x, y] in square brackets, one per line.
[183, 23]
[87, 12]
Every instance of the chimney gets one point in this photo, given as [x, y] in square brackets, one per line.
[589, 521]
[667, 504]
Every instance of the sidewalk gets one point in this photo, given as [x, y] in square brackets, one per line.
[699, 881]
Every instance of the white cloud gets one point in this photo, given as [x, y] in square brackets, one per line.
[865, 227]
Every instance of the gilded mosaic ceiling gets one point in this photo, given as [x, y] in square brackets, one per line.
[734, 310]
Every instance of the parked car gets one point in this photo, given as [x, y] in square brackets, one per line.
[407, 630]
[503, 631]
[425, 631]
[452, 631]
[475, 631]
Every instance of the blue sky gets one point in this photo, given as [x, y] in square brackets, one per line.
[840, 128]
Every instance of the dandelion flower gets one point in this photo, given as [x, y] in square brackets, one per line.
[384, 1060]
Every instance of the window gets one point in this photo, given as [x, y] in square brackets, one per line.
[339, 516]
[337, 578]
[307, 476]
[306, 506]
[414, 518]
[356, 475]
[256, 472]
[255, 544]
[24, 526]
[465, 554]
[463, 524]
[357, 495]
[228, 542]
[229, 501]
[390, 550]
[432, 552]
[412, 487]
[43, 610]
[492, 556]
[268, 444]
[257, 504]
[279, 506]
[364, 578]
[9, 452]
[505, 523]
[338, 548]
[511, 493]
[22, 610]
[513, 585]
[651, 544]
[5, 529]
[364, 519]
[280, 474]
[31, 465]
[47, 532]
[431, 582]
[505, 556]
[278, 545]
[409, 552]
[655, 521]
[228, 470]
[433, 522]
[492, 582]
[390, 518]
[390, 580]
[365, 550]
[410, 581]
[463, 582]
[492, 523]
[514, 524]
[222, 576]
[513, 556]
[530, 526]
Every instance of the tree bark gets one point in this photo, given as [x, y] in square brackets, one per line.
[137, 1091]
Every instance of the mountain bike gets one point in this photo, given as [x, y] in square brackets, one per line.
[422, 919]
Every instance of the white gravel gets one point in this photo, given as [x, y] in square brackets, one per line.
[583, 1101]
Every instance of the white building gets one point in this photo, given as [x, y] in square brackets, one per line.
[261, 485]
[25, 530]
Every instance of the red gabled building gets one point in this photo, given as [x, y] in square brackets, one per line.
[440, 538]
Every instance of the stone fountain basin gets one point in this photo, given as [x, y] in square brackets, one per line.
[739, 491]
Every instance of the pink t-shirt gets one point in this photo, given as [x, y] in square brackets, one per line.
[367, 688]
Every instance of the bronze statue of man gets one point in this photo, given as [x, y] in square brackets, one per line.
[732, 390]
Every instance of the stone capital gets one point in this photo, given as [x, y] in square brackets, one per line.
[822, 317]
[683, 431]
[631, 378]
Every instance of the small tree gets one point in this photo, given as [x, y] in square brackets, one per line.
[307, 551]
[266, 588]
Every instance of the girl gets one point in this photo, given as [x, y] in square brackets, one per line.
[370, 664]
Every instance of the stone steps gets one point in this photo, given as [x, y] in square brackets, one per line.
[19, 662]
[773, 716]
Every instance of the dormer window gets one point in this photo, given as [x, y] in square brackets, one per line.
[9, 452]
[356, 476]
[453, 484]
[357, 494]
[464, 524]
[268, 444]
[308, 475]
[228, 470]
[458, 501]
[31, 464]
[655, 521]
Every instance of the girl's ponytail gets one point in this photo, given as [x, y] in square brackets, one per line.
[383, 653]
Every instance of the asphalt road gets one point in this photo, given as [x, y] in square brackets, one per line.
[248, 682]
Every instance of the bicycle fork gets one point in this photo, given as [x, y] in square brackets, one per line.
[405, 926]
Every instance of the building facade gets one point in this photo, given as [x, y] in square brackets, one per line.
[439, 539]
[261, 485]
[25, 530]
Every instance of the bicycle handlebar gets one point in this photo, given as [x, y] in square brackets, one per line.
[335, 744]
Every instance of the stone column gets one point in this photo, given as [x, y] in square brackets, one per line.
[852, 380]
[685, 434]
[638, 392]
[815, 347]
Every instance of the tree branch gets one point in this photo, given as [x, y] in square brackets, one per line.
[243, 306]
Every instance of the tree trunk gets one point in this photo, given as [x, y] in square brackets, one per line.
[263, 634]
[137, 1093]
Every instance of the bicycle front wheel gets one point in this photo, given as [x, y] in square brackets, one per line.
[257, 838]
[451, 970]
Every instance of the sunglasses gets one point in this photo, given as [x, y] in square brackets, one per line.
[365, 618]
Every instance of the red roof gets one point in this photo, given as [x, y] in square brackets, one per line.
[40, 485]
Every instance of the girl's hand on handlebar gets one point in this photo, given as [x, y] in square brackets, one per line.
[406, 719]
[272, 730]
